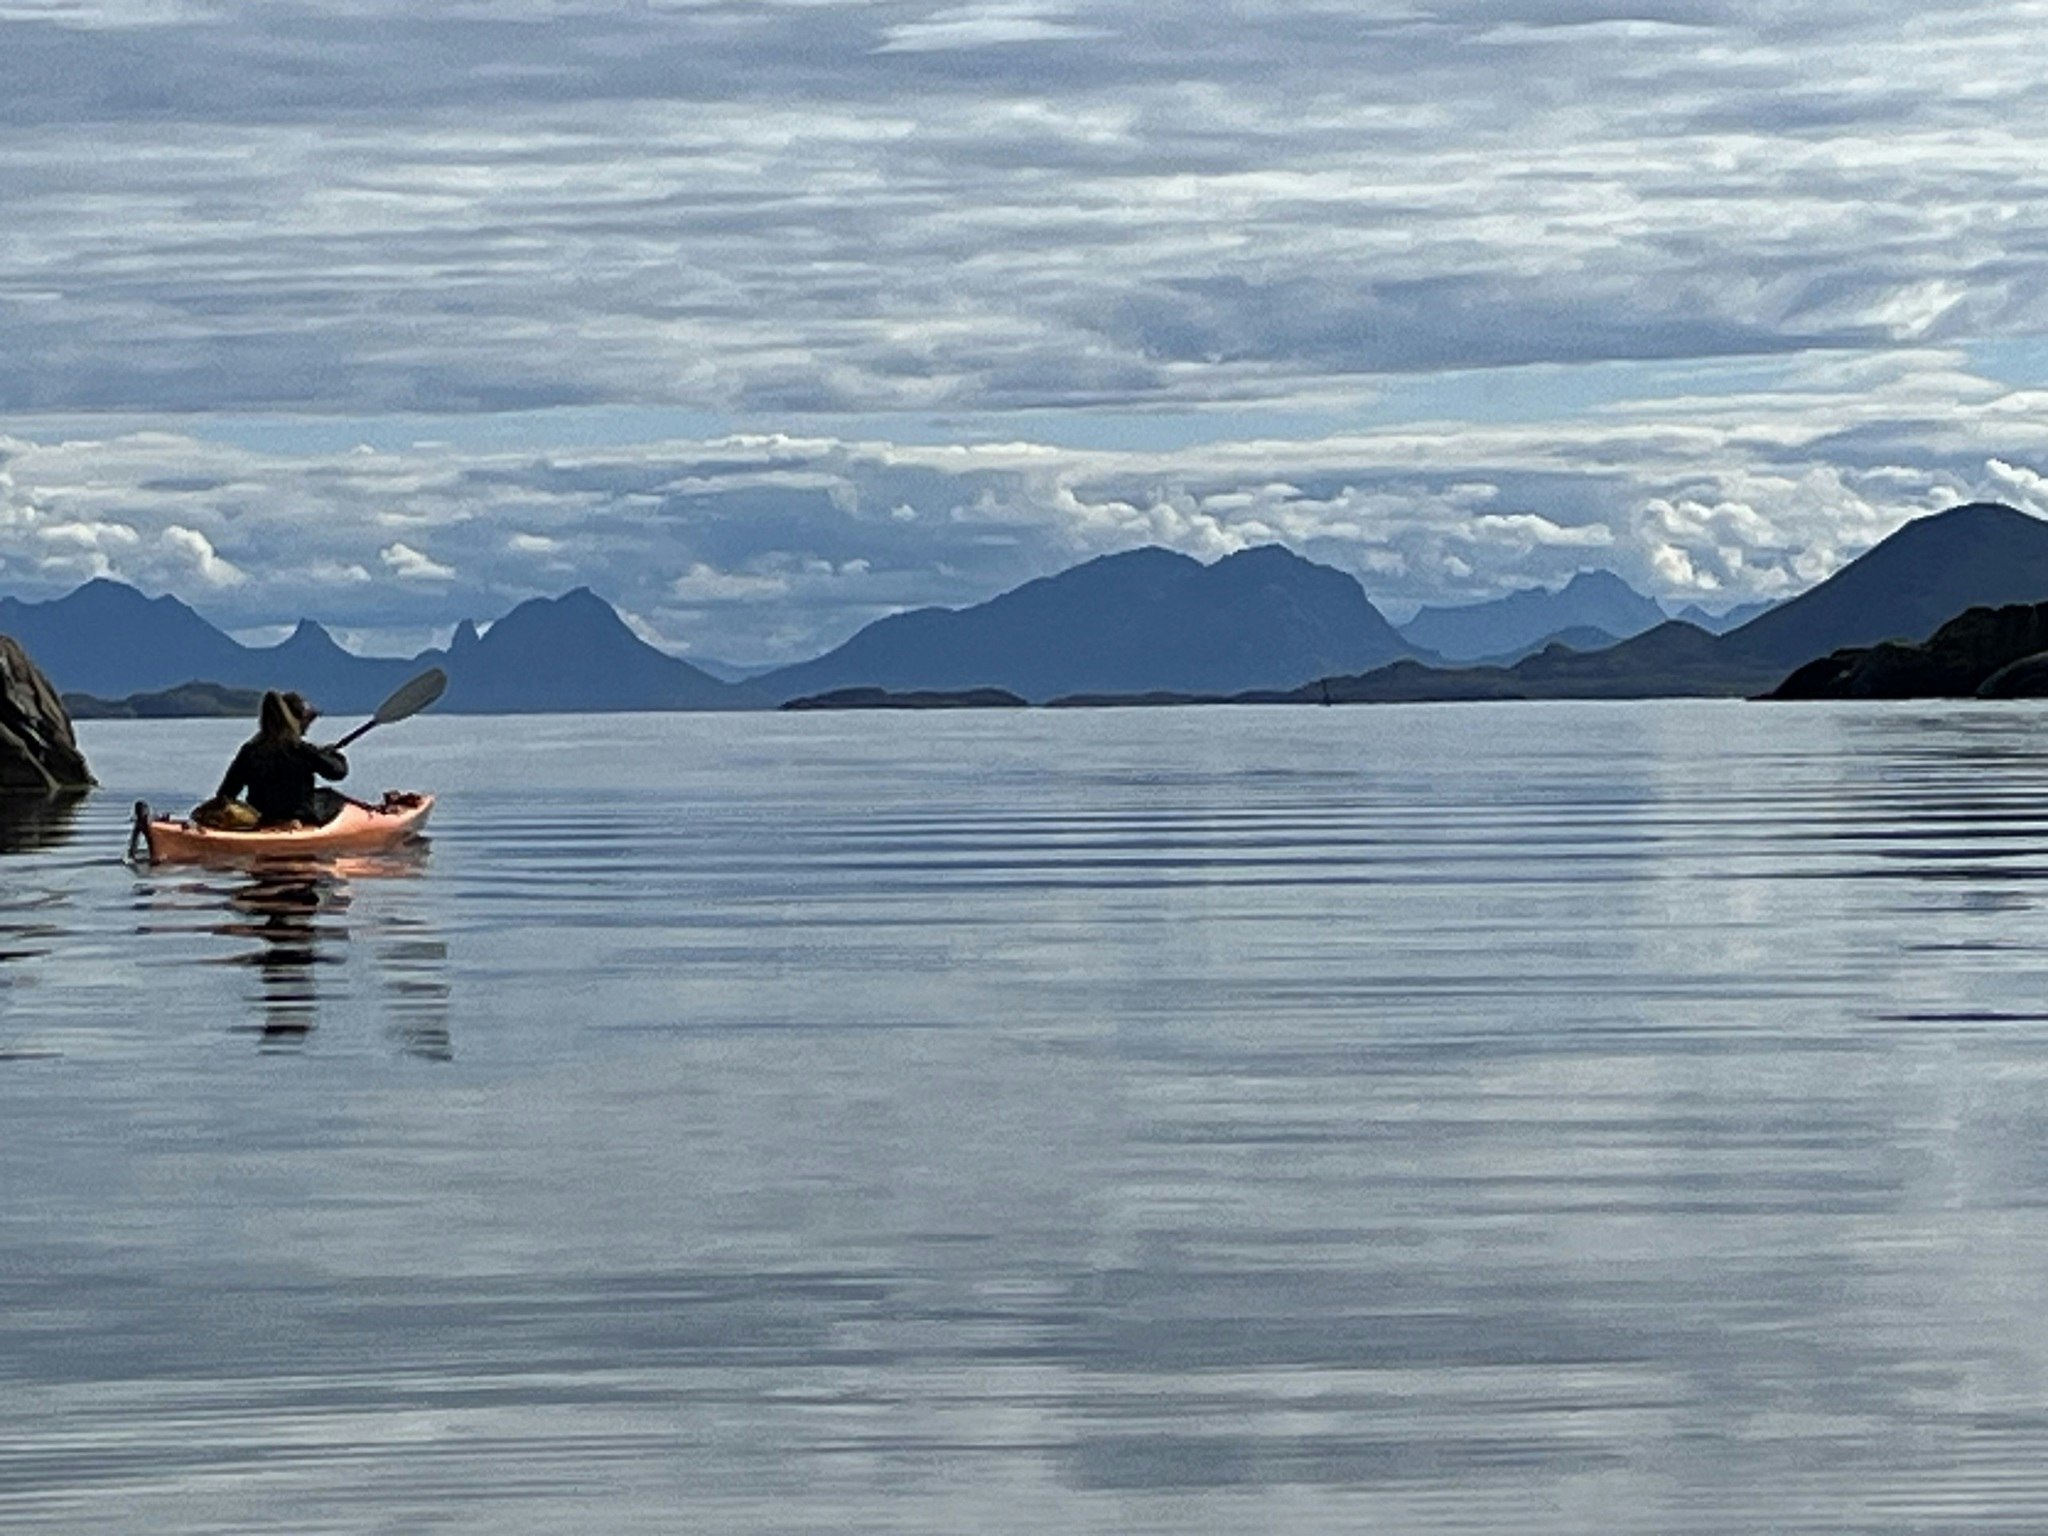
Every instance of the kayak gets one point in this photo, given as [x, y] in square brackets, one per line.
[357, 828]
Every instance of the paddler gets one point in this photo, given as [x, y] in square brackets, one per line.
[276, 767]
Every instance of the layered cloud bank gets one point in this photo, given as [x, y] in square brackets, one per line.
[774, 547]
[1460, 295]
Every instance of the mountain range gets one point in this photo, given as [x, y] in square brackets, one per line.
[1983, 554]
[567, 653]
[1263, 623]
[1592, 604]
[1143, 620]
[1721, 623]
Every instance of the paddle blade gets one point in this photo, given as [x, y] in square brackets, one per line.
[409, 700]
[412, 697]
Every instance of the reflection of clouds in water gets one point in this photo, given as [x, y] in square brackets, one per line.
[27, 925]
[414, 964]
[30, 914]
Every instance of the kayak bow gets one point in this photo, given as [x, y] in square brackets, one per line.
[357, 828]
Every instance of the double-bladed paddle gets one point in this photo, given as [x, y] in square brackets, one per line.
[408, 700]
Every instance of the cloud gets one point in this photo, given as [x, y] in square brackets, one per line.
[778, 209]
[767, 319]
[700, 584]
[772, 546]
[2019, 485]
[1532, 529]
[987, 26]
[408, 564]
[82, 535]
[194, 547]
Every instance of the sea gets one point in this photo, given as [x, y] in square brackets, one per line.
[1484, 1117]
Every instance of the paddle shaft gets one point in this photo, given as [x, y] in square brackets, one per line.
[363, 729]
[410, 698]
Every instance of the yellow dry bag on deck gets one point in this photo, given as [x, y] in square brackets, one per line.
[218, 815]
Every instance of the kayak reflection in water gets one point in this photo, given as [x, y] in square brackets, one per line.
[276, 768]
[284, 908]
[301, 913]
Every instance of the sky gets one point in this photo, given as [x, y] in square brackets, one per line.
[763, 318]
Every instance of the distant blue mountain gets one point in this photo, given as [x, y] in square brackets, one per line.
[1145, 622]
[561, 654]
[1982, 556]
[1146, 619]
[1721, 623]
[108, 639]
[572, 653]
[729, 671]
[1525, 621]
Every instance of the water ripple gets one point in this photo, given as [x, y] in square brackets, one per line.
[1534, 1118]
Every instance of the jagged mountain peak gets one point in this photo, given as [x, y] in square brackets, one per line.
[1590, 599]
[562, 653]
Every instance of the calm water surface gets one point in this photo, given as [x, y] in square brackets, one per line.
[1517, 1118]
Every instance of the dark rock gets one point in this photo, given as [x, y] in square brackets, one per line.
[38, 753]
[1958, 661]
[1825, 677]
[2026, 678]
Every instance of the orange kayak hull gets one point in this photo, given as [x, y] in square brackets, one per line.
[359, 828]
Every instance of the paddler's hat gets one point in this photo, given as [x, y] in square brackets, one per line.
[302, 711]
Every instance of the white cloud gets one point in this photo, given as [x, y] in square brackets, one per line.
[783, 209]
[988, 25]
[1696, 301]
[772, 545]
[2019, 485]
[701, 584]
[88, 535]
[408, 564]
[197, 550]
[1528, 528]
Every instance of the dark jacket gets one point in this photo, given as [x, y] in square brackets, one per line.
[276, 768]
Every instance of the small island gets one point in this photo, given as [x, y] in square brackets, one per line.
[193, 700]
[921, 698]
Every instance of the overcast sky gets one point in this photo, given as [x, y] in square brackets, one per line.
[765, 317]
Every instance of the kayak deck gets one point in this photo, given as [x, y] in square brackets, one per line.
[357, 828]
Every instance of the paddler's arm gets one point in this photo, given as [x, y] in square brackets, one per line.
[325, 761]
[236, 778]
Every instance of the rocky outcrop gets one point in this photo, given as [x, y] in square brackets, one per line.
[1973, 655]
[38, 753]
[2026, 678]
